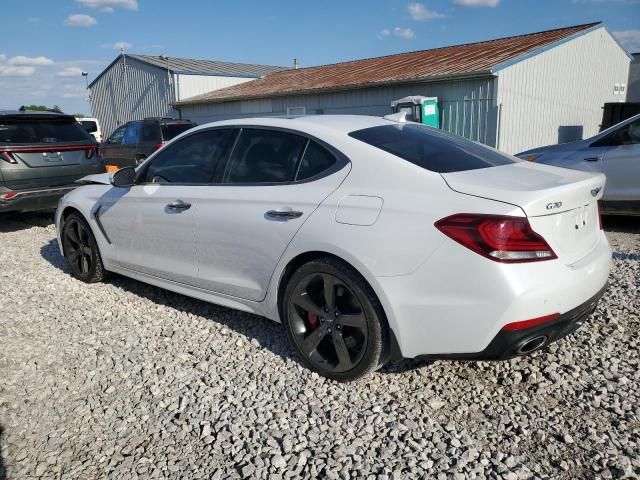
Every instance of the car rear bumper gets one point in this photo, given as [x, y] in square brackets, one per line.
[456, 304]
[33, 199]
[509, 344]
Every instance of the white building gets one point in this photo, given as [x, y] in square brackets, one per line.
[134, 87]
[515, 93]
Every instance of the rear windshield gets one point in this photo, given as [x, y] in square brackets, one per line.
[432, 149]
[171, 130]
[89, 126]
[30, 130]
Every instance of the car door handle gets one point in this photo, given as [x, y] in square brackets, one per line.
[284, 214]
[592, 159]
[178, 206]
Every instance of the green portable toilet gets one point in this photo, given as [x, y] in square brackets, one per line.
[419, 109]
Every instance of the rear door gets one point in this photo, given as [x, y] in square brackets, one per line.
[151, 223]
[273, 182]
[621, 165]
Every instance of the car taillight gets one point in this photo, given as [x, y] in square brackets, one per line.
[8, 195]
[159, 145]
[89, 152]
[500, 238]
[7, 157]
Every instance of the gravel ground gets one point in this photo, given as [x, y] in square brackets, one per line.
[124, 380]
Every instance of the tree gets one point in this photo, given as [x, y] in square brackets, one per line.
[41, 108]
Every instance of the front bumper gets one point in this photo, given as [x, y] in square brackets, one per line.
[34, 199]
[510, 344]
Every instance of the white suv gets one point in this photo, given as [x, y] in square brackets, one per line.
[91, 125]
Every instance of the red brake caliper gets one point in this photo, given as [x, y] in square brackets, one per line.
[313, 320]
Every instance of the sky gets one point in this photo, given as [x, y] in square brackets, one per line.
[46, 44]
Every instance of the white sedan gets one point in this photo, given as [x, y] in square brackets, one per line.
[371, 239]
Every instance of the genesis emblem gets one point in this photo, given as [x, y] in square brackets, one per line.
[551, 206]
[595, 191]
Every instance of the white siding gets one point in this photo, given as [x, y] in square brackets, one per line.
[132, 93]
[468, 106]
[191, 85]
[566, 86]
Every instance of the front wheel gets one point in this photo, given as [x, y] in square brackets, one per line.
[81, 250]
[334, 320]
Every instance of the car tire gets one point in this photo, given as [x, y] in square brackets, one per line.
[334, 320]
[81, 250]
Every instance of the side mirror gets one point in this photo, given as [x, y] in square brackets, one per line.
[125, 177]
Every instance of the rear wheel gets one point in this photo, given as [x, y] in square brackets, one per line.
[81, 250]
[334, 320]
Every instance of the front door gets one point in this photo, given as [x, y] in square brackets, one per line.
[621, 165]
[273, 182]
[151, 224]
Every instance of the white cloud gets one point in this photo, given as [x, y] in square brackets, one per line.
[384, 33]
[630, 39]
[405, 33]
[16, 71]
[3, 57]
[109, 5]
[420, 12]
[32, 61]
[106, 9]
[80, 20]
[477, 3]
[118, 45]
[70, 72]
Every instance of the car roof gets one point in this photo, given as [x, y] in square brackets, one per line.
[33, 113]
[337, 123]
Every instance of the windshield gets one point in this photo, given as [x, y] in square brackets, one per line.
[432, 149]
[30, 130]
[171, 130]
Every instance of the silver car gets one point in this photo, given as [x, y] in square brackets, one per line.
[615, 152]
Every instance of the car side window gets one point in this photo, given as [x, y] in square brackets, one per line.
[265, 156]
[627, 135]
[116, 137]
[150, 133]
[190, 161]
[316, 160]
[131, 134]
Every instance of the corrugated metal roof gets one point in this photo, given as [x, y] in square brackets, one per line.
[209, 67]
[459, 60]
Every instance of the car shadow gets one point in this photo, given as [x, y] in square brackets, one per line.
[14, 222]
[3, 468]
[621, 224]
[269, 334]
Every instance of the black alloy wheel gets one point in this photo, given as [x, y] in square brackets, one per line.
[333, 321]
[81, 250]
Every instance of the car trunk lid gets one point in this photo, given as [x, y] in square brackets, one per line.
[561, 204]
[52, 155]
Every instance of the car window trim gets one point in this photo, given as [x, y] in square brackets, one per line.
[341, 159]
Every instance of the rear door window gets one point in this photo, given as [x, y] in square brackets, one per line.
[265, 156]
[150, 133]
[172, 130]
[316, 160]
[432, 149]
[30, 130]
[190, 161]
